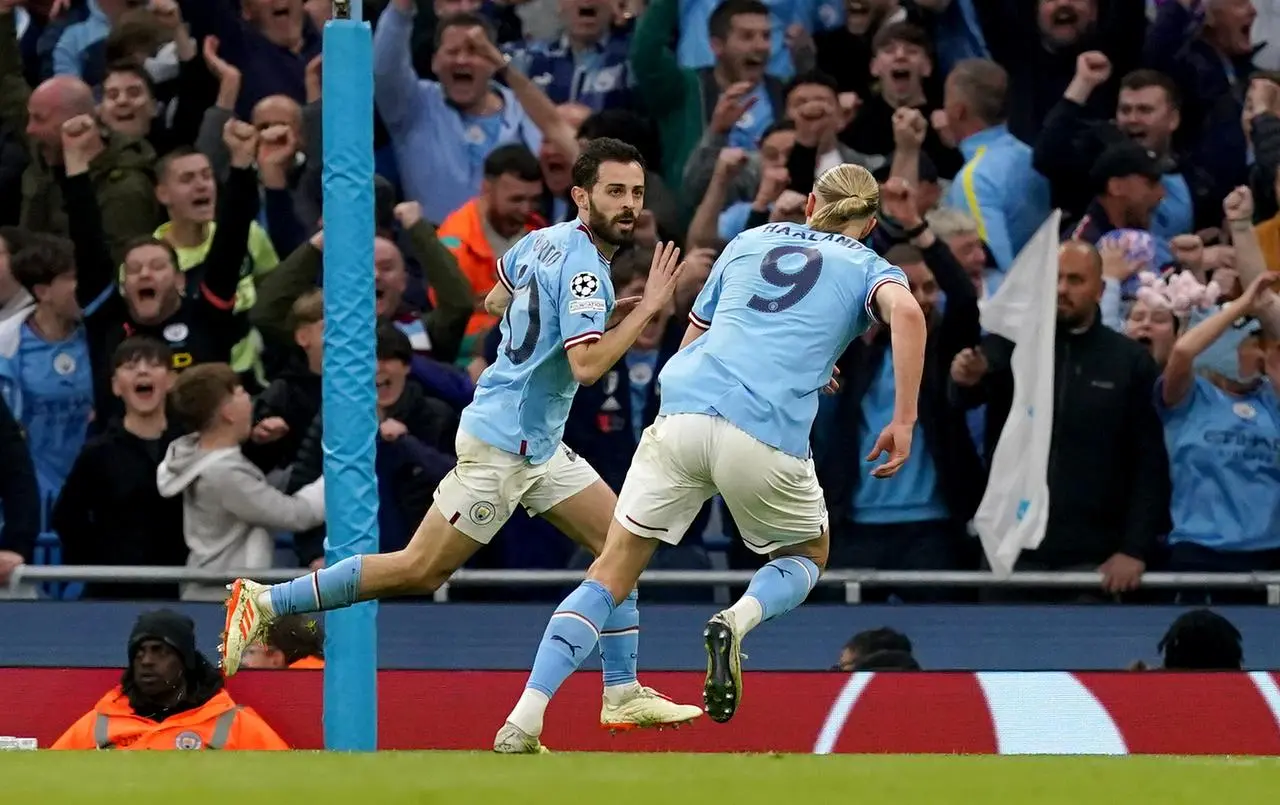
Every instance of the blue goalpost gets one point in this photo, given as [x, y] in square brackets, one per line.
[350, 402]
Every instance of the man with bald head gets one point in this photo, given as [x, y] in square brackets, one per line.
[1108, 468]
[302, 173]
[121, 170]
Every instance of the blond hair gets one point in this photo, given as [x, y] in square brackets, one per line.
[847, 194]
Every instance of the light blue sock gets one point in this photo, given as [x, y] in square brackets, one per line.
[571, 635]
[783, 584]
[620, 642]
[328, 588]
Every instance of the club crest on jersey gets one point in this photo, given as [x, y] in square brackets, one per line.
[584, 284]
[64, 363]
[176, 333]
[482, 513]
[188, 740]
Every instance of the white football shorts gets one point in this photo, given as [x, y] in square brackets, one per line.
[684, 459]
[483, 490]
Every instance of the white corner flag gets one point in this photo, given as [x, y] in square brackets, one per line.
[1014, 511]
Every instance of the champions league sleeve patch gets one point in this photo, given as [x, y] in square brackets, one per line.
[584, 284]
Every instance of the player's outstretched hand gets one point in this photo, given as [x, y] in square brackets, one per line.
[664, 272]
[895, 440]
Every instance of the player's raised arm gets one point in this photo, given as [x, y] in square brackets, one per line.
[499, 299]
[593, 353]
[896, 307]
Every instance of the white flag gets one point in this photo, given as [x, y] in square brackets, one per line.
[1014, 511]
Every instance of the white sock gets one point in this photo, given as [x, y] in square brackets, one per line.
[264, 603]
[747, 614]
[528, 712]
[615, 694]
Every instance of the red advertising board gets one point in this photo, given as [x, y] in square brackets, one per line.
[969, 713]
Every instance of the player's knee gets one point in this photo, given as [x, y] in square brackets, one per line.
[816, 553]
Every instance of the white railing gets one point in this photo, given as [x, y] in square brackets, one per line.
[25, 577]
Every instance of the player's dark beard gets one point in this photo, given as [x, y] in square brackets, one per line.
[607, 230]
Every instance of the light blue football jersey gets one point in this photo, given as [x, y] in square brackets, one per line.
[782, 303]
[562, 296]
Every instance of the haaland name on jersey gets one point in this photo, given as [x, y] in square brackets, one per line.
[811, 235]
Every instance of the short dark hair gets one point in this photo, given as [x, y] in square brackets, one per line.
[722, 18]
[515, 159]
[883, 639]
[904, 254]
[134, 70]
[586, 168]
[296, 637]
[627, 126]
[782, 124]
[985, 87]
[151, 240]
[393, 344]
[1144, 78]
[808, 78]
[142, 348]
[629, 264]
[200, 392]
[901, 32]
[463, 19]
[42, 259]
[1202, 640]
[180, 152]
[14, 237]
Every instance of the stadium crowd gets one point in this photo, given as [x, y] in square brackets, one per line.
[160, 196]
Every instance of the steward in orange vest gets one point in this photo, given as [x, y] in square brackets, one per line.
[170, 697]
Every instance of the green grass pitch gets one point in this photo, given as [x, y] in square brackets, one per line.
[427, 778]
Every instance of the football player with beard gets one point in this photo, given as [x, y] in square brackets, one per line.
[561, 327]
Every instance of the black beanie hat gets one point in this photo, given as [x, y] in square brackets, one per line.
[175, 630]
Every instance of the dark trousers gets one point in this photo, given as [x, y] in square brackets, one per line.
[924, 545]
[1188, 557]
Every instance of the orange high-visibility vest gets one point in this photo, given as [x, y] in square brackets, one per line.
[217, 724]
[463, 234]
[307, 663]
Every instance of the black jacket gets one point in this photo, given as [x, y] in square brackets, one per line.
[19, 492]
[947, 437]
[408, 470]
[110, 513]
[1108, 468]
[294, 396]
[1071, 141]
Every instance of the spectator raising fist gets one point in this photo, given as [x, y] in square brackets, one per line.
[81, 142]
[241, 140]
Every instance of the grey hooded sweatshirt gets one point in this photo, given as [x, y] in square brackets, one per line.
[229, 510]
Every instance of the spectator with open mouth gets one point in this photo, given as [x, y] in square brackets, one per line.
[198, 328]
[114, 481]
[901, 64]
